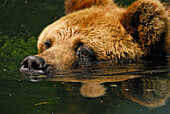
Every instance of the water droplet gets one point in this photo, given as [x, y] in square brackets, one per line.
[126, 89]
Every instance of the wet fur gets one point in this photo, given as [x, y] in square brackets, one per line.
[111, 32]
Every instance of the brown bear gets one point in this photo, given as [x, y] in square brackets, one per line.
[99, 30]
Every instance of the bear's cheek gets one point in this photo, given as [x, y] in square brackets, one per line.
[60, 58]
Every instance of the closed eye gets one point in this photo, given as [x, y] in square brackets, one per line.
[85, 54]
[47, 44]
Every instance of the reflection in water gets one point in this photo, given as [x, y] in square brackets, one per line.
[92, 90]
[136, 85]
[149, 92]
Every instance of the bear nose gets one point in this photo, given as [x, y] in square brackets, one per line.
[33, 65]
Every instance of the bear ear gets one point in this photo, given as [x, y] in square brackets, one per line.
[146, 21]
[75, 5]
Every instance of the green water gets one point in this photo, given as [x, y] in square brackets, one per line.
[103, 89]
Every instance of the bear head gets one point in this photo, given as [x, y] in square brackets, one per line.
[99, 30]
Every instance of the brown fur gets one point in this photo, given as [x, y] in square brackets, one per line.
[74, 5]
[146, 21]
[113, 33]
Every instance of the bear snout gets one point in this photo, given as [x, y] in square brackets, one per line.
[34, 65]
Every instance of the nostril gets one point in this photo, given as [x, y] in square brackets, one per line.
[36, 65]
[25, 64]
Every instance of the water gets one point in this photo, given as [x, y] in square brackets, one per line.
[134, 88]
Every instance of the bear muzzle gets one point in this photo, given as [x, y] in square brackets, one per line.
[34, 65]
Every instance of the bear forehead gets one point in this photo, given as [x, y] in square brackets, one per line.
[84, 21]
